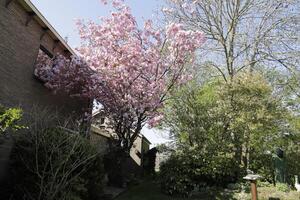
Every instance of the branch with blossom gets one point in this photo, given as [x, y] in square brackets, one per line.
[127, 69]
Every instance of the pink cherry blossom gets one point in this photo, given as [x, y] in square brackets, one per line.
[128, 69]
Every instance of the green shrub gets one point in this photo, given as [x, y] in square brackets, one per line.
[176, 176]
[264, 184]
[292, 156]
[219, 169]
[263, 165]
[52, 164]
[185, 170]
[282, 187]
[9, 118]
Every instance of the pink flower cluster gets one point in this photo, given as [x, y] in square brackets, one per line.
[72, 75]
[127, 69]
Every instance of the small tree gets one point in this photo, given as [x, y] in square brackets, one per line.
[54, 164]
[127, 69]
[242, 119]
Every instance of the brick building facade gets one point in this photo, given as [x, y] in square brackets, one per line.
[23, 32]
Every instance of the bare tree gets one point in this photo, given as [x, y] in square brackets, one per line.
[51, 161]
[243, 34]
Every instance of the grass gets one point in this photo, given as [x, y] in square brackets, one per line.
[265, 193]
[149, 190]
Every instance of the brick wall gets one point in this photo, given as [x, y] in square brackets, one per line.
[19, 45]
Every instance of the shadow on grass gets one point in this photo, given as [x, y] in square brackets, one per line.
[149, 190]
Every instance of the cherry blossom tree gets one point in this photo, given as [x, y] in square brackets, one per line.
[129, 70]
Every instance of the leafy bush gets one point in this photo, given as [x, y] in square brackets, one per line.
[220, 168]
[263, 165]
[293, 166]
[176, 176]
[183, 171]
[282, 187]
[52, 164]
[264, 184]
[9, 118]
[231, 126]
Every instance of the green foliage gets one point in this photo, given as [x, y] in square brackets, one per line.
[282, 187]
[263, 164]
[9, 118]
[52, 164]
[151, 191]
[292, 157]
[264, 184]
[177, 176]
[186, 169]
[240, 120]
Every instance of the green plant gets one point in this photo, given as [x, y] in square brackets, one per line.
[263, 165]
[188, 168]
[234, 126]
[282, 187]
[176, 176]
[9, 118]
[264, 184]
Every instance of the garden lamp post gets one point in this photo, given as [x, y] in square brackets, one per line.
[252, 178]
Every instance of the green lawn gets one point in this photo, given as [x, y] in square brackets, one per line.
[149, 190]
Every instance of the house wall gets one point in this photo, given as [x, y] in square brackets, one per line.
[136, 151]
[100, 139]
[19, 45]
[139, 148]
[100, 136]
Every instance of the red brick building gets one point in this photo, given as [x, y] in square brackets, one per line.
[23, 32]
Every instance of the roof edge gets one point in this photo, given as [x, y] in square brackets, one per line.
[45, 21]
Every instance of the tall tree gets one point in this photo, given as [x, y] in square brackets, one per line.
[207, 117]
[243, 33]
[127, 69]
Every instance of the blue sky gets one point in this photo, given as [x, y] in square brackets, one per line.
[62, 15]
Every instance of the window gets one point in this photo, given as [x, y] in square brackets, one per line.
[42, 66]
[45, 51]
[102, 120]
